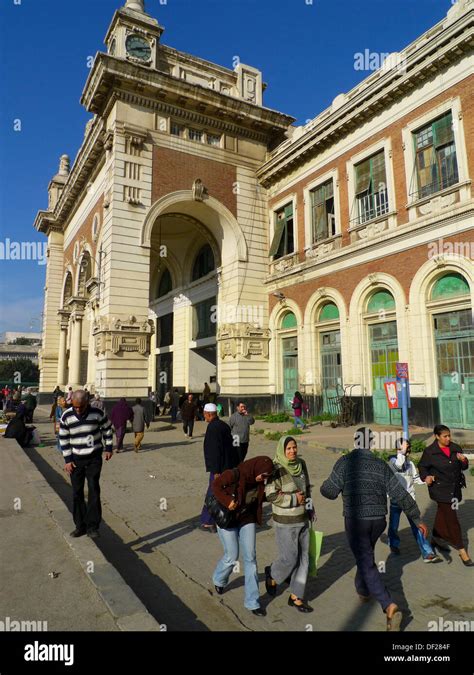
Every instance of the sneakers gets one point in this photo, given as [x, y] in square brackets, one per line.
[432, 558]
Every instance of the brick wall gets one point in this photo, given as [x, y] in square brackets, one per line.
[403, 266]
[175, 170]
[464, 90]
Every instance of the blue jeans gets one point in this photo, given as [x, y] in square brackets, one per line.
[299, 421]
[394, 539]
[231, 538]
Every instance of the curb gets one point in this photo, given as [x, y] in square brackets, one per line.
[127, 610]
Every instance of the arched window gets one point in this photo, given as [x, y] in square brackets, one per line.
[67, 288]
[289, 321]
[166, 283]
[329, 312]
[381, 300]
[204, 263]
[85, 273]
[450, 286]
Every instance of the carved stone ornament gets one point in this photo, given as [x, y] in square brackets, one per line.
[439, 261]
[320, 251]
[373, 279]
[120, 336]
[243, 339]
[437, 204]
[372, 230]
[322, 292]
[283, 265]
[199, 191]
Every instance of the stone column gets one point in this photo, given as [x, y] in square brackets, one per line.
[77, 314]
[62, 355]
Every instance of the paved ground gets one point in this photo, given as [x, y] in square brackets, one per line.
[32, 548]
[152, 502]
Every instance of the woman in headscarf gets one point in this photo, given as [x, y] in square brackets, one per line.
[242, 490]
[289, 493]
[119, 416]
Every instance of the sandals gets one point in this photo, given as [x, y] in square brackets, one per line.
[394, 622]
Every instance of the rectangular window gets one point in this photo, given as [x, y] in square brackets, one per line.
[177, 129]
[165, 330]
[323, 219]
[212, 139]
[371, 194]
[195, 135]
[283, 238]
[436, 166]
[205, 319]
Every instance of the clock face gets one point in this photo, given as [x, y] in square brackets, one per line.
[138, 47]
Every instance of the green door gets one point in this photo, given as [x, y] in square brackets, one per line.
[331, 367]
[454, 336]
[384, 356]
[290, 370]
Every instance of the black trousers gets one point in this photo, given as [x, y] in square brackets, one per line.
[243, 449]
[89, 468]
[188, 426]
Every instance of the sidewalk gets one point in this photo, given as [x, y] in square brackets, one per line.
[45, 572]
[151, 506]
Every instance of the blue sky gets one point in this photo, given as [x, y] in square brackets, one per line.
[306, 52]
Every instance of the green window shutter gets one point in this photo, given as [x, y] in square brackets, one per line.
[329, 312]
[288, 211]
[363, 176]
[443, 132]
[450, 285]
[279, 231]
[379, 177]
[289, 321]
[381, 300]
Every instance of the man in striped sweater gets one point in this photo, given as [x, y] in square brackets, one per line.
[82, 431]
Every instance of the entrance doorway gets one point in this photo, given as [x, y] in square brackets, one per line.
[383, 357]
[454, 338]
[331, 367]
[290, 369]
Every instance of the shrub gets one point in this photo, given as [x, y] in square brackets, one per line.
[324, 417]
[276, 418]
[471, 470]
[418, 446]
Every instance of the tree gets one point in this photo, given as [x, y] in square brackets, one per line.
[18, 371]
[25, 341]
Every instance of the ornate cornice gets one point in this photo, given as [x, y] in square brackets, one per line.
[112, 75]
[427, 56]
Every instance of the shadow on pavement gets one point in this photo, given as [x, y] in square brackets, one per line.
[157, 597]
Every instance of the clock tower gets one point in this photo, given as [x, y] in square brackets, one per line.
[133, 35]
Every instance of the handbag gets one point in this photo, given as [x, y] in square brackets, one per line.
[220, 513]
[223, 517]
[315, 543]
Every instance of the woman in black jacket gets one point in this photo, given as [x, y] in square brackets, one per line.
[441, 467]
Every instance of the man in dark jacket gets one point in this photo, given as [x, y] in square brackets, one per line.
[220, 454]
[188, 415]
[365, 481]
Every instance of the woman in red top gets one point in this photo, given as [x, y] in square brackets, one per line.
[441, 467]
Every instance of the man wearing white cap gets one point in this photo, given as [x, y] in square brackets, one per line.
[220, 454]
